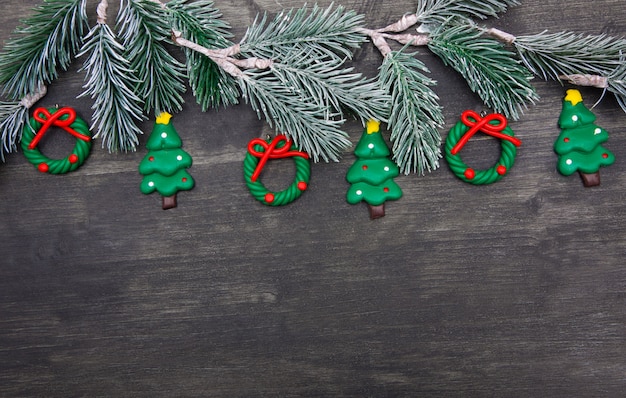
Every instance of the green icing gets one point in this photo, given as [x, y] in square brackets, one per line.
[164, 166]
[372, 173]
[583, 139]
[166, 162]
[579, 144]
[586, 162]
[575, 115]
[163, 136]
[373, 194]
[167, 185]
[371, 146]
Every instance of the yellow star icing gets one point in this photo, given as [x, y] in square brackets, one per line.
[373, 126]
[573, 96]
[163, 118]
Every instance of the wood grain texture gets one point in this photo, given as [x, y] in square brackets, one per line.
[516, 289]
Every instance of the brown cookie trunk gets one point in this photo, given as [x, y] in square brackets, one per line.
[376, 211]
[169, 202]
[590, 180]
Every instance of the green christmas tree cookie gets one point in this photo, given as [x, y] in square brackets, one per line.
[579, 144]
[164, 167]
[373, 172]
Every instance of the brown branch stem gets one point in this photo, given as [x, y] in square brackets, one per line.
[31, 99]
[586, 80]
[102, 12]
[403, 24]
[379, 39]
[223, 57]
[501, 36]
[392, 32]
[410, 39]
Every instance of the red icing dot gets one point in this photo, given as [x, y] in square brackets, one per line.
[151, 158]
[566, 139]
[364, 167]
[470, 174]
[302, 185]
[73, 158]
[386, 189]
[43, 167]
[605, 155]
[269, 197]
[184, 179]
[501, 170]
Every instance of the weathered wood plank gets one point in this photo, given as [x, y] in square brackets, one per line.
[513, 289]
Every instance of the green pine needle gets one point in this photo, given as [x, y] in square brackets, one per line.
[490, 70]
[13, 118]
[416, 116]
[439, 11]
[333, 87]
[143, 30]
[617, 84]
[323, 33]
[549, 55]
[200, 23]
[48, 42]
[314, 129]
[110, 83]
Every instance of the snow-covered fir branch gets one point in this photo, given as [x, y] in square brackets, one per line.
[292, 68]
[110, 82]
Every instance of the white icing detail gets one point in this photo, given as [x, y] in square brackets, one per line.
[151, 184]
[598, 131]
[386, 168]
[179, 158]
[163, 135]
[371, 146]
[569, 162]
[359, 192]
[575, 118]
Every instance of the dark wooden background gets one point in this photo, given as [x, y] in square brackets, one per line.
[517, 289]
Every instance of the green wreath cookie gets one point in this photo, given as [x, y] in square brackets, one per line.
[494, 125]
[259, 152]
[38, 126]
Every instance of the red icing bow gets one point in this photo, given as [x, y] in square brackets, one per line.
[43, 116]
[269, 151]
[477, 123]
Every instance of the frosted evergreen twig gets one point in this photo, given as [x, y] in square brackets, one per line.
[199, 22]
[617, 84]
[291, 68]
[330, 85]
[416, 116]
[110, 83]
[143, 29]
[436, 12]
[322, 33]
[581, 59]
[13, 118]
[46, 43]
[490, 70]
[549, 55]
